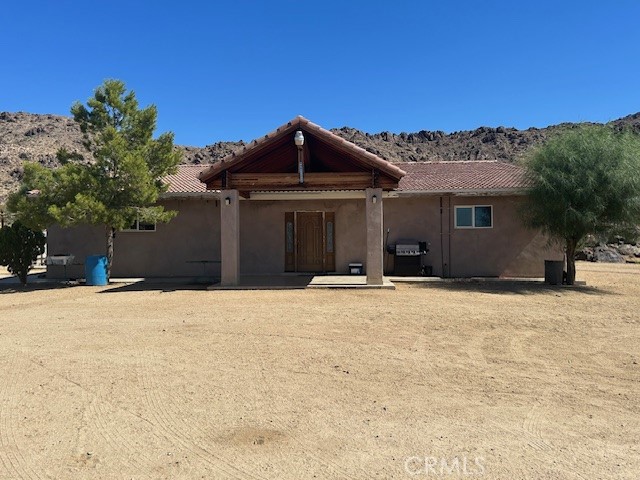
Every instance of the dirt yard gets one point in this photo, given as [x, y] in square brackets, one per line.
[459, 380]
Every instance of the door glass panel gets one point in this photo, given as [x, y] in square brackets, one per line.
[329, 237]
[289, 237]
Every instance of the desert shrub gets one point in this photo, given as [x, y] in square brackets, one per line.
[19, 248]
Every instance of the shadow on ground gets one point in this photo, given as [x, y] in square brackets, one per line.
[266, 282]
[154, 287]
[510, 288]
[35, 282]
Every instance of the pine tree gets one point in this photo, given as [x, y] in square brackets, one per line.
[122, 183]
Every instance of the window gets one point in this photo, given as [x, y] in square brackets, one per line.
[474, 216]
[140, 226]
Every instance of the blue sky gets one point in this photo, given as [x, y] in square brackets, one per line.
[236, 70]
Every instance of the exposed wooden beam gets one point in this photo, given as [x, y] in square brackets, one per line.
[248, 182]
[271, 181]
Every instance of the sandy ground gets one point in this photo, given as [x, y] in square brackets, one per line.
[433, 381]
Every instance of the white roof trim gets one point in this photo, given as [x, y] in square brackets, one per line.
[466, 191]
[207, 194]
[343, 194]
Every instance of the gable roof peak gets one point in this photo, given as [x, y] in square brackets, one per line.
[298, 122]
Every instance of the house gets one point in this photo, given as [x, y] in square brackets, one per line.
[304, 200]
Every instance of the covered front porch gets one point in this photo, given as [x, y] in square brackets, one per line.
[301, 200]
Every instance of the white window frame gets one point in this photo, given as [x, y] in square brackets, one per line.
[137, 229]
[473, 217]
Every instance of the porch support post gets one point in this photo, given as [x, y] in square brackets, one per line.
[375, 237]
[230, 237]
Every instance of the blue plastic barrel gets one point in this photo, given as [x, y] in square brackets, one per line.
[95, 270]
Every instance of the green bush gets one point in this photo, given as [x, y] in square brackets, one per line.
[19, 248]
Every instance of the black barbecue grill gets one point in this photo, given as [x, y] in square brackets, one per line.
[408, 257]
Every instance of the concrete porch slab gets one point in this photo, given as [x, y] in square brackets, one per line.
[348, 281]
[288, 282]
[267, 282]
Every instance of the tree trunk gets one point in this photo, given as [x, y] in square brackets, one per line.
[111, 234]
[571, 261]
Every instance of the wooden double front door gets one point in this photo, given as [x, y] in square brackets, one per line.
[310, 242]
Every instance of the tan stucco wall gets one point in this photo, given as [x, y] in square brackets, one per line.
[416, 218]
[262, 232]
[194, 234]
[507, 249]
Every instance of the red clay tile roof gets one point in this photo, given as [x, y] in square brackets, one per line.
[300, 122]
[185, 180]
[434, 177]
[462, 176]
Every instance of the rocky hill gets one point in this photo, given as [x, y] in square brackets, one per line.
[36, 137]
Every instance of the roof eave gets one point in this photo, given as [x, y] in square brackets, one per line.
[177, 195]
[466, 191]
[237, 156]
